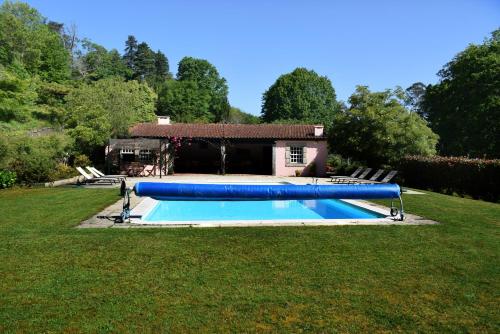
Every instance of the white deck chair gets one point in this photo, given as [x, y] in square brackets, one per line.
[89, 179]
[98, 174]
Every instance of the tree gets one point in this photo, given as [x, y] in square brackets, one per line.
[24, 37]
[130, 52]
[17, 96]
[377, 129]
[207, 79]
[107, 108]
[185, 102]
[464, 107]
[144, 62]
[414, 96]
[237, 116]
[302, 96]
[97, 63]
[161, 66]
[161, 73]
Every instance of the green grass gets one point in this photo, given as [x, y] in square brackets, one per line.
[54, 278]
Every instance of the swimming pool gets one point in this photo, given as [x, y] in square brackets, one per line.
[268, 210]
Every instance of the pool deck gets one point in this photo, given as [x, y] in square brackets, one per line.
[103, 220]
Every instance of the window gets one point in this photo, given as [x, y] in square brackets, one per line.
[145, 155]
[126, 151]
[296, 155]
[127, 154]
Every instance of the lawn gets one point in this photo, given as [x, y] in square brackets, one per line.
[55, 278]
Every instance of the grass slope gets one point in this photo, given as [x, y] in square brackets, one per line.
[53, 277]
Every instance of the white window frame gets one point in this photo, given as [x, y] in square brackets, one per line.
[297, 155]
[126, 151]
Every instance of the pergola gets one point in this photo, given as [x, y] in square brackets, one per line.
[136, 145]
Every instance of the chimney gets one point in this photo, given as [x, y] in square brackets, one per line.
[163, 120]
[318, 130]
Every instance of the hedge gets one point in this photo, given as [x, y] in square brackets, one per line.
[478, 178]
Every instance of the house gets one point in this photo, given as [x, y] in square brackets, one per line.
[267, 149]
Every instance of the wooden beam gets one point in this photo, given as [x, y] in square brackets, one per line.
[223, 157]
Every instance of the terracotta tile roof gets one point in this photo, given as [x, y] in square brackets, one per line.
[235, 131]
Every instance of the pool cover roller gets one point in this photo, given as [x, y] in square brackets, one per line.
[253, 192]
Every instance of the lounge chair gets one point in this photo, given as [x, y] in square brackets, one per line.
[371, 179]
[354, 174]
[89, 179]
[97, 173]
[349, 180]
[386, 179]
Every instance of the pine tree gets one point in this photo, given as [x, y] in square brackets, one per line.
[161, 65]
[144, 62]
[130, 52]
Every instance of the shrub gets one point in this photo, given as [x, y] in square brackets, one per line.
[35, 159]
[62, 171]
[81, 160]
[339, 165]
[7, 179]
[478, 178]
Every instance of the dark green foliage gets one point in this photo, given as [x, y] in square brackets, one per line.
[185, 102]
[209, 82]
[97, 63]
[339, 165]
[17, 96]
[34, 159]
[7, 179]
[4, 150]
[473, 177]
[146, 65]
[300, 96]
[237, 116]
[464, 107]
[352, 279]
[377, 129]
[162, 70]
[106, 109]
[130, 52]
[414, 96]
[144, 62]
[25, 37]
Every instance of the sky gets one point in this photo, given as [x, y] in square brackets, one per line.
[380, 44]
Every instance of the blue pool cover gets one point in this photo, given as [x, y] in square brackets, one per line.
[244, 192]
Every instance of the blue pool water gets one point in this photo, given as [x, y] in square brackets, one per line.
[256, 210]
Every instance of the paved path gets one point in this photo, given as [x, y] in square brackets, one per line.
[107, 217]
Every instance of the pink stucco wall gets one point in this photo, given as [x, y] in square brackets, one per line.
[316, 155]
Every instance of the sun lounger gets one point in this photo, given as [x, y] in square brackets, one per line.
[386, 179]
[89, 179]
[349, 180]
[97, 173]
[371, 179]
[354, 174]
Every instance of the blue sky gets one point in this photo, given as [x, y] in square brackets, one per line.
[376, 43]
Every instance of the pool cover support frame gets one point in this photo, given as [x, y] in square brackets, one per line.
[198, 192]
